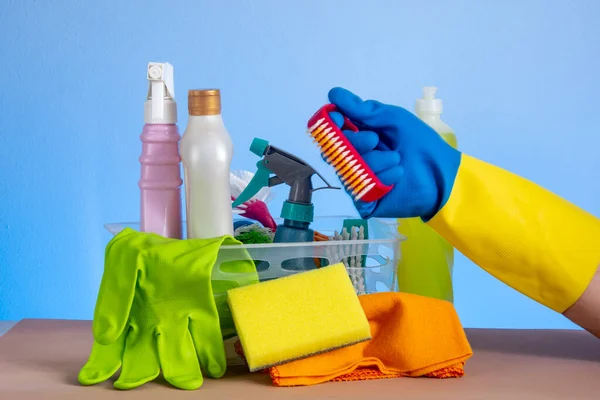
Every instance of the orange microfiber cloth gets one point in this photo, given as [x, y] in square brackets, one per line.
[412, 336]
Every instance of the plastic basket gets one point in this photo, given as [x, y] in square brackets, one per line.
[380, 252]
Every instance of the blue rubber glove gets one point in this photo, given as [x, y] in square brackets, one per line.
[402, 150]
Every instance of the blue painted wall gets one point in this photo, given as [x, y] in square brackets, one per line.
[519, 82]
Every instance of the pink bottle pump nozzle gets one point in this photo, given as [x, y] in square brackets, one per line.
[160, 107]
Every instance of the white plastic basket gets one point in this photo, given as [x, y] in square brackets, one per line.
[381, 251]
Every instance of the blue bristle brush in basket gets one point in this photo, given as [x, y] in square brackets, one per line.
[353, 229]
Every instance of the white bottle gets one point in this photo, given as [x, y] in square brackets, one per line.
[206, 152]
[429, 109]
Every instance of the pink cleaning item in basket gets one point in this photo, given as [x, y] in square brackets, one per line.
[258, 211]
[160, 181]
[256, 207]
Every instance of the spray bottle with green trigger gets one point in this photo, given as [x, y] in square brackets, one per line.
[298, 210]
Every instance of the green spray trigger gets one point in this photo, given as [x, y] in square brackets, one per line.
[260, 180]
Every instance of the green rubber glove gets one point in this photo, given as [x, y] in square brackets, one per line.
[155, 311]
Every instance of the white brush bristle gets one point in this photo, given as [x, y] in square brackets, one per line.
[336, 156]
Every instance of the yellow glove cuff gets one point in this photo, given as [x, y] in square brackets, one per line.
[528, 237]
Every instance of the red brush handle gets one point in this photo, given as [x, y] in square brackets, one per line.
[377, 189]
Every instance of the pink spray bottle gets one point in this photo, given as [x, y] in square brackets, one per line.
[160, 182]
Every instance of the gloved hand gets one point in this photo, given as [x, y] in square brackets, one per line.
[402, 150]
[155, 310]
[526, 236]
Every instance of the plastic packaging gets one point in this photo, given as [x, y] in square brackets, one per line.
[206, 152]
[427, 258]
[160, 181]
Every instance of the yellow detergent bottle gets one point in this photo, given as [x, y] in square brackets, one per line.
[427, 260]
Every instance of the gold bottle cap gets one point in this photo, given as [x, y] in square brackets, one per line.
[204, 102]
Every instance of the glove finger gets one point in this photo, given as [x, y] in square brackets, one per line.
[365, 209]
[178, 358]
[363, 141]
[355, 108]
[381, 160]
[337, 118]
[241, 272]
[391, 175]
[117, 287]
[140, 361]
[103, 362]
[388, 176]
[227, 325]
[208, 341]
[389, 120]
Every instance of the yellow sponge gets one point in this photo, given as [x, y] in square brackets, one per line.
[297, 316]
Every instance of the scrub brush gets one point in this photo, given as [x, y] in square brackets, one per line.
[363, 226]
[296, 316]
[256, 207]
[354, 173]
[354, 263]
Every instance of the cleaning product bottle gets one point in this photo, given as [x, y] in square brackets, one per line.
[427, 260]
[298, 209]
[160, 181]
[206, 152]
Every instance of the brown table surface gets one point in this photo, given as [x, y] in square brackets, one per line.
[41, 359]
